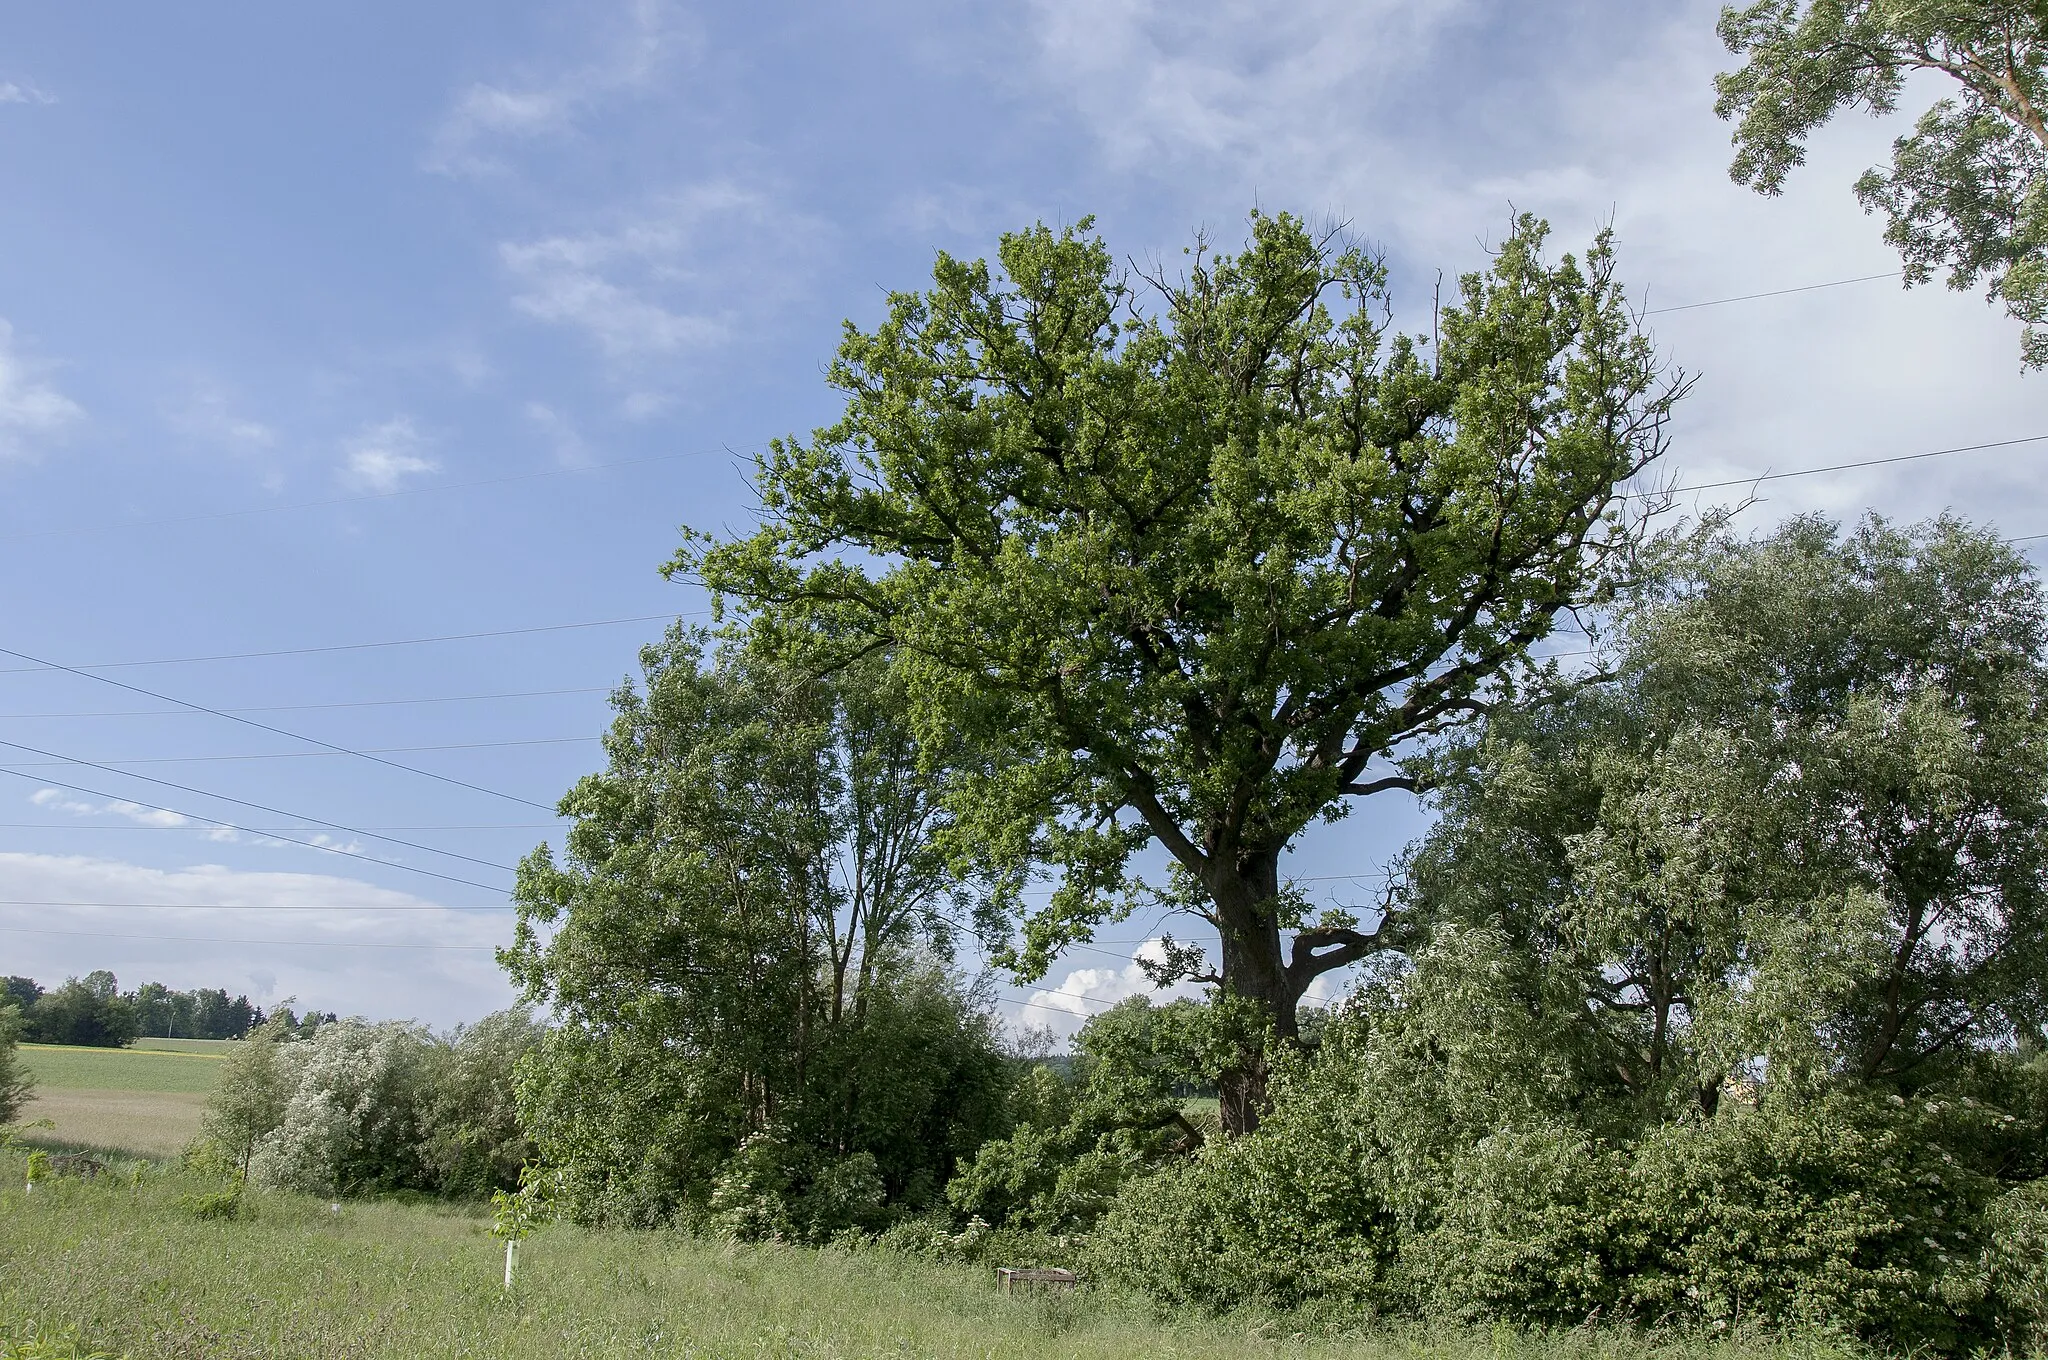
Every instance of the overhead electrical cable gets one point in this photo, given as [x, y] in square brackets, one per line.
[271, 830]
[1837, 467]
[240, 802]
[1775, 292]
[366, 646]
[211, 939]
[322, 755]
[277, 731]
[259, 906]
[306, 708]
[345, 500]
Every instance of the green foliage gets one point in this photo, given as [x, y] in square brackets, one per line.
[749, 930]
[2016, 1267]
[249, 1102]
[214, 1204]
[1968, 187]
[1189, 563]
[1731, 1006]
[1799, 833]
[36, 1343]
[203, 1013]
[17, 1084]
[473, 1140]
[1078, 1140]
[1381, 1184]
[88, 1011]
[775, 1190]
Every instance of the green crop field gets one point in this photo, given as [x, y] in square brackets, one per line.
[135, 1272]
[215, 1047]
[121, 1069]
[142, 1101]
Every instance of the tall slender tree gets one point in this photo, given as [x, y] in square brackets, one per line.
[736, 939]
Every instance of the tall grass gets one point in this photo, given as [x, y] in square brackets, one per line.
[134, 1269]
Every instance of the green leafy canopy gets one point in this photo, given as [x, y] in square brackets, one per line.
[1968, 186]
[1191, 560]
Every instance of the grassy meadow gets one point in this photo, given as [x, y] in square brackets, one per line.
[133, 1271]
[143, 1101]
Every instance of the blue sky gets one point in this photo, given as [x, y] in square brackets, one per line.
[336, 325]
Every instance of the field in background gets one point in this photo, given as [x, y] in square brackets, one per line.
[216, 1047]
[138, 1100]
[135, 1272]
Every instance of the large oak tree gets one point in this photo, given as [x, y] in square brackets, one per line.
[1199, 560]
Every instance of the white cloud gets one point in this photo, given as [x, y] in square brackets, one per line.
[384, 455]
[17, 92]
[322, 938]
[56, 800]
[664, 281]
[541, 106]
[31, 411]
[1087, 991]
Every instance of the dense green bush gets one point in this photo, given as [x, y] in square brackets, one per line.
[1121, 1110]
[1367, 1188]
[644, 1133]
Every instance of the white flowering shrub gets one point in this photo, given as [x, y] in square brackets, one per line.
[355, 1119]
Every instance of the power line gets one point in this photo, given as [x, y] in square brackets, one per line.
[225, 826]
[257, 906]
[1775, 292]
[344, 500]
[1841, 467]
[263, 808]
[271, 830]
[211, 939]
[307, 708]
[361, 646]
[312, 755]
[278, 731]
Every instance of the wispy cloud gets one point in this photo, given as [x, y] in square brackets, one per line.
[57, 800]
[1254, 81]
[31, 410]
[19, 92]
[209, 416]
[664, 280]
[487, 115]
[142, 814]
[560, 432]
[384, 455]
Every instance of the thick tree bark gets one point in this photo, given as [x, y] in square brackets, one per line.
[1252, 969]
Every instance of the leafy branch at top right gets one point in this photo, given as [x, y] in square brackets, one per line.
[1968, 186]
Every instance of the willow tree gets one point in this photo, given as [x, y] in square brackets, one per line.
[1968, 186]
[1198, 561]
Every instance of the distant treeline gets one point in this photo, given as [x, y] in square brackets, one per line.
[94, 1011]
